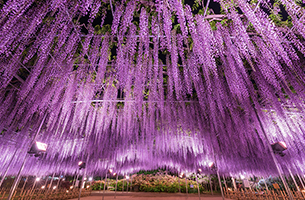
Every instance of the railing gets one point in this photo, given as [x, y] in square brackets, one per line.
[253, 194]
[56, 194]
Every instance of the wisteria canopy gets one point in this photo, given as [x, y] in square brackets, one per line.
[138, 85]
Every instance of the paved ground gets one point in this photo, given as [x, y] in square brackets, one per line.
[149, 196]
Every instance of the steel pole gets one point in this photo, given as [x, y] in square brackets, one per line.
[186, 187]
[104, 186]
[198, 187]
[116, 185]
[211, 184]
[278, 167]
[8, 167]
[13, 188]
[221, 189]
[296, 185]
[21, 193]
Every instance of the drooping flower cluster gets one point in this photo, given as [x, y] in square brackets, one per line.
[159, 86]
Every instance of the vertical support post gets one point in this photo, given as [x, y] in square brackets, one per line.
[278, 167]
[211, 184]
[234, 183]
[186, 187]
[130, 183]
[116, 185]
[179, 184]
[123, 186]
[8, 167]
[16, 181]
[33, 189]
[104, 186]
[57, 186]
[296, 185]
[76, 180]
[301, 181]
[21, 193]
[198, 187]
[13, 188]
[225, 182]
[127, 185]
[221, 189]
[266, 185]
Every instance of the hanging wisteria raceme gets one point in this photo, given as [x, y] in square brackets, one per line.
[140, 85]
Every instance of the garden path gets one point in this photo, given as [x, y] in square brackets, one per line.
[149, 196]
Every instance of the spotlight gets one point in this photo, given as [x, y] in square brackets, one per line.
[211, 165]
[71, 187]
[38, 148]
[181, 175]
[114, 174]
[37, 179]
[90, 179]
[43, 187]
[81, 165]
[199, 171]
[127, 177]
[88, 186]
[242, 176]
[230, 189]
[85, 178]
[54, 187]
[110, 171]
[67, 191]
[279, 147]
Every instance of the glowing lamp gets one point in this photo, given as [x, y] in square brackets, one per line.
[88, 186]
[43, 187]
[279, 147]
[67, 191]
[54, 187]
[127, 177]
[199, 170]
[110, 171]
[37, 179]
[181, 175]
[211, 165]
[90, 179]
[114, 174]
[81, 165]
[38, 148]
[71, 187]
[242, 176]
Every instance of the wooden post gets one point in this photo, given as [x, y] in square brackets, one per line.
[211, 184]
[116, 185]
[198, 188]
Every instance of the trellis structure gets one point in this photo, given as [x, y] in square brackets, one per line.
[184, 92]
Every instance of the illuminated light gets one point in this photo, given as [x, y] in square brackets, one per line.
[37, 179]
[43, 187]
[63, 179]
[41, 146]
[90, 178]
[229, 189]
[279, 147]
[114, 174]
[88, 186]
[283, 144]
[127, 177]
[85, 178]
[211, 164]
[67, 191]
[199, 170]
[71, 187]
[54, 187]
[81, 165]
[110, 171]
[242, 176]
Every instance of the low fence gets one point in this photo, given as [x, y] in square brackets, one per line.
[247, 194]
[57, 194]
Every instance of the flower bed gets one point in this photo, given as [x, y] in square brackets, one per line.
[150, 183]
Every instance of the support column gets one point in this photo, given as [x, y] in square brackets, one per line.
[278, 167]
[116, 185]
[198, 188]
[221, 189]
[105, 186]
[211, 184]
[8, 167]
[296, 185]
